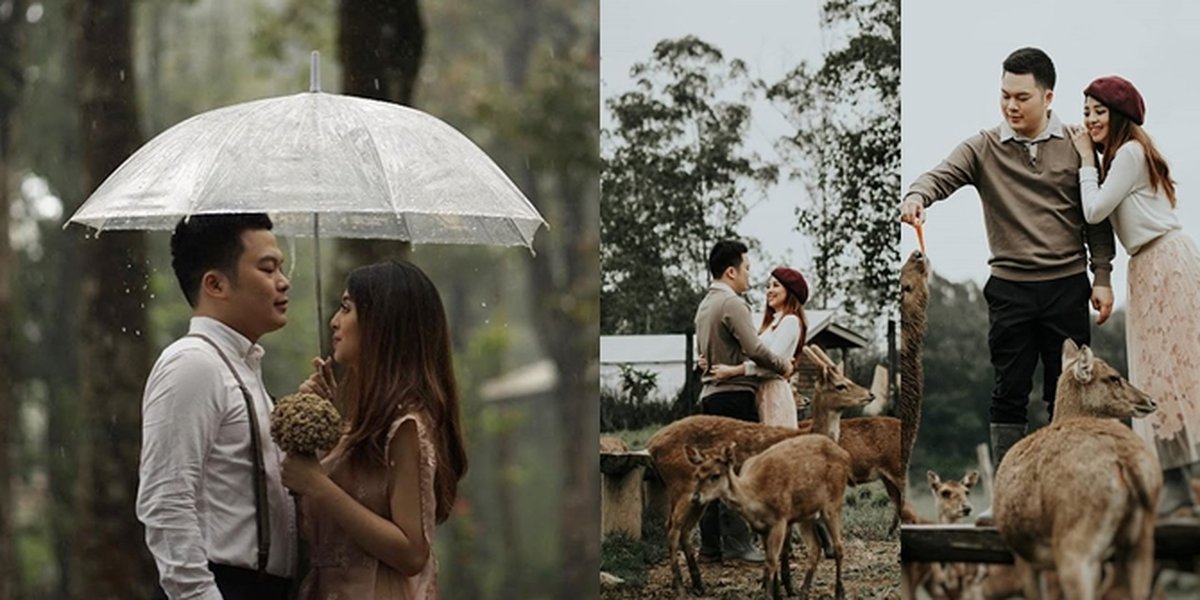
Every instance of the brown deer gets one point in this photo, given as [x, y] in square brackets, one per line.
[953, 502]
[834, 394]
[798, 480]
[914, 304]
[1084, 487]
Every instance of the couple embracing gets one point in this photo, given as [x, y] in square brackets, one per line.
[1052, 196]
[213, 489]
[746, 369]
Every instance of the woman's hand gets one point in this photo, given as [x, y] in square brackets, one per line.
[321, 382]
[302, 474]
[1083, 144]
[723, 372]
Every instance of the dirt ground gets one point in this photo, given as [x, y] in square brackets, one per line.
[869, 571]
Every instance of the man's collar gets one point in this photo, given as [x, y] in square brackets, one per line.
[226, 337]
[1054, 128]
[721, 285]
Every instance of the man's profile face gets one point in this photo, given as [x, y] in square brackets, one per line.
[1024, 103]
[259, 294]
[741, 276]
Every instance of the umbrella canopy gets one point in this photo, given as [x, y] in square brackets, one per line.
[369, 169]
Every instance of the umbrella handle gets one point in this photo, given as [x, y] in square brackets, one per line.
[317, 269]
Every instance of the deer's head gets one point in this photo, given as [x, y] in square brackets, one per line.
[953, 497]
[1093, 388]
[713, 470]
[834, 390]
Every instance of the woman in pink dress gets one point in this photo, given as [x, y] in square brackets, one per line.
[1131, 186]
[369, 507]
[784, 330]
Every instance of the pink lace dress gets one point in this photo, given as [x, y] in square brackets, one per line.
[338, 568]
[1163, 338]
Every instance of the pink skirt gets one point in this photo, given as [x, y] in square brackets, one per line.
[1162, 333]
[776, 405]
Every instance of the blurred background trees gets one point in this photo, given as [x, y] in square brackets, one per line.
[83, 82]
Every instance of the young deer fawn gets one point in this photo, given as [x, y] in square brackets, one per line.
[943, 580]
[797, 480]
[1084, 487]
[835, 393]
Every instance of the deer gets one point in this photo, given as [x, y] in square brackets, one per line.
[1084, 487]
[914, 305]
[878, 458]
[952, 498]
[798, 480]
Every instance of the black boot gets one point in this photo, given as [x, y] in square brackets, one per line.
[737, 540]
[1004, 436]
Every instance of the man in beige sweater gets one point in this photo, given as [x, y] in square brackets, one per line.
[1026, 173]
[725, 334]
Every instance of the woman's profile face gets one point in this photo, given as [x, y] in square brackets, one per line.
[776, 294]
[347, 340]
[1095, 118]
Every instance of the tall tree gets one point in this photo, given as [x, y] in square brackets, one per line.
[547, 114]
[111, 560]
[381, 44]
[675, 179]
[847, 151]
[11, 16]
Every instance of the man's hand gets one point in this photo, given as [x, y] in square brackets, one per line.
[912, 211]
[1102, 300]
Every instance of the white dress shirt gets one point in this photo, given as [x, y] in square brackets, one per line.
[196, 484]
[1138, 212]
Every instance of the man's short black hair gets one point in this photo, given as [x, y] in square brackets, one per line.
[1032, 61]
[203, 243]
[725, 254]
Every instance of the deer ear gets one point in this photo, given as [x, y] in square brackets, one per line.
[693, 455]
[1069, 350]
[1082, 369]
[841, 368]
[971, 479]
[933, 478]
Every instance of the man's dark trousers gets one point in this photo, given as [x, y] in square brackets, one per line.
[740, 405]
[1029, 321]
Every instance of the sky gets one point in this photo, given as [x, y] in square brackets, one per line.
[772, 37]
[950, 87]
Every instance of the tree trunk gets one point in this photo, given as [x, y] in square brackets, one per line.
[565, 275]
[381, 44]
[111, 559]
[10, 86]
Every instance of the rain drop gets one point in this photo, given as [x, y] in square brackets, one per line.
[377, 84]
[122, 74]
[137, 332]
[483, 304]
[152, 295]
[123, 330]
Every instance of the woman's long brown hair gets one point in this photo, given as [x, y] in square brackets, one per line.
[405, 366]
[1120, 131]
[791, 306]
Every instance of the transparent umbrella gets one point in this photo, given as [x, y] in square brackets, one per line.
[320, 165]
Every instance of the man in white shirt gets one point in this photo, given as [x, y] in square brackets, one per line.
[219, 523]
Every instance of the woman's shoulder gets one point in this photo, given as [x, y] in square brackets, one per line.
[789, 320]
[1132, 147]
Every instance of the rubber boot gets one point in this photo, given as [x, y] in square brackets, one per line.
[1004, 436]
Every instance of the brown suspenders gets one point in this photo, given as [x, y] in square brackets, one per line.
[262, 523]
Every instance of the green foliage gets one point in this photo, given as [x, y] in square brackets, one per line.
[638, 384]
[847, 150]
[675, 180]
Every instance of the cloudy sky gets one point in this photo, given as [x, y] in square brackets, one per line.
[772, 37]
[951, 60]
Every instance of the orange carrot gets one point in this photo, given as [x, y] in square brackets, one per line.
[920, 236]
